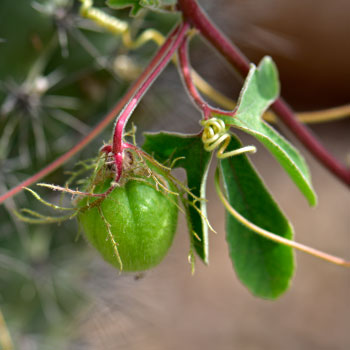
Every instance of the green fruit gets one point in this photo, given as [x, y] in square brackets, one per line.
[142, 222]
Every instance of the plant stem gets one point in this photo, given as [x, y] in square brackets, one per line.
[93, 134]
[173, 42]
[186, 73]
[195, 15]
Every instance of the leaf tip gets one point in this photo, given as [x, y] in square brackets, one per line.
[312, 198]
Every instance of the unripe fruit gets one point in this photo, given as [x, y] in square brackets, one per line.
[142, 222]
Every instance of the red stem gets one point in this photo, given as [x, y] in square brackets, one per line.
[173, 41]
[93, 134]
[195, 15]
[185, 73]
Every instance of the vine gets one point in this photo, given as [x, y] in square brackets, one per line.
[135, 234]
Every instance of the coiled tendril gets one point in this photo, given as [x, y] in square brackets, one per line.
[118, 27]
[106, 21]
[216, 135]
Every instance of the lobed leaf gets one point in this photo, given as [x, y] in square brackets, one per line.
[264, 266]
[191, 156]
[260, 89]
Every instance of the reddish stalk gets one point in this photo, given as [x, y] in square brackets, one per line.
[97, 130]
[195, 15]
[185, 73]
[176, 39]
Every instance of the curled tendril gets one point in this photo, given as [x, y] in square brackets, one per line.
[106, 21]
[215, 135]
[118, 27]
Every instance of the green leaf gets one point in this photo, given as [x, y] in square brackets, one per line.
[260, 89]
[195, 160]
[264, 266]
[137, 5]
[119, 4]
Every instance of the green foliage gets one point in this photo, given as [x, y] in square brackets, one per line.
[188, 153]
[260, 89]
[265, 267]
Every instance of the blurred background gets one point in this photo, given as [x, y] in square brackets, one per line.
[59, 75]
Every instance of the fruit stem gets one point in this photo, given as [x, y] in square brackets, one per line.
[168, 49]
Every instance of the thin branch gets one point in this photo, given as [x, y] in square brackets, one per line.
[195, 15]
